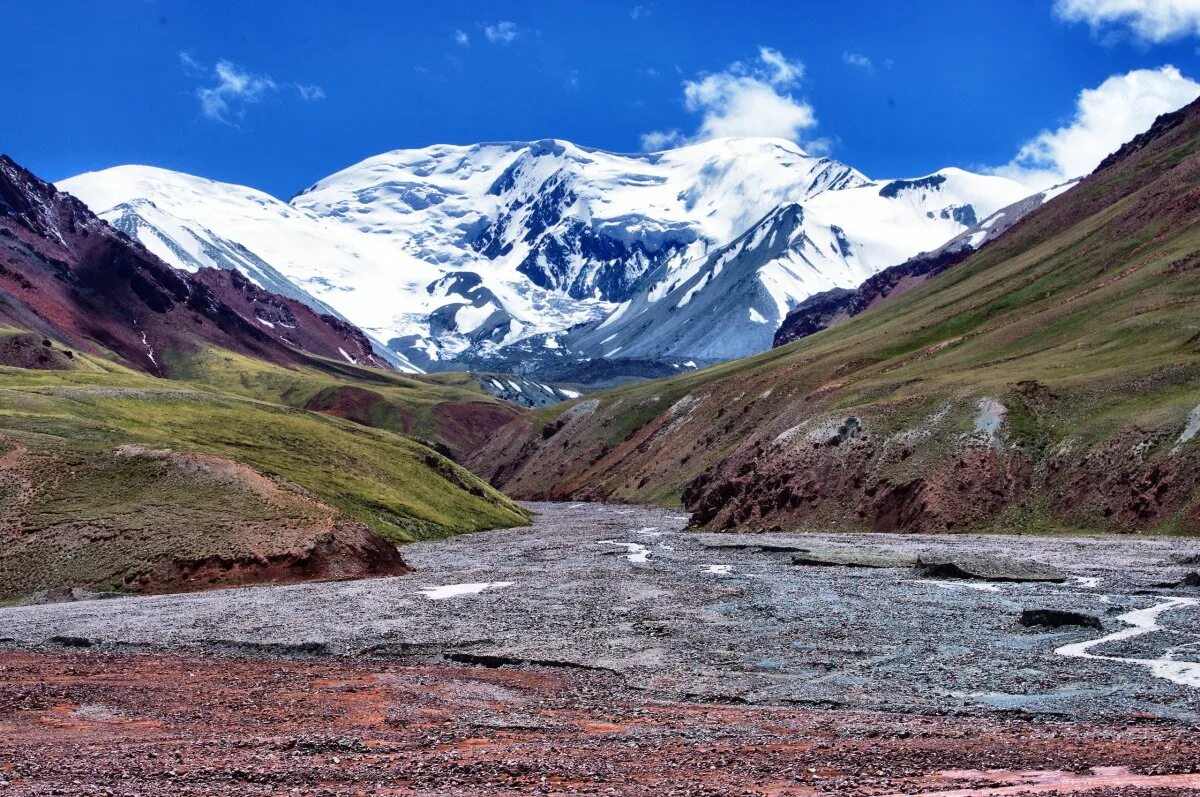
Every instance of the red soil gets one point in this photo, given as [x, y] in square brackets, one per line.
[84, 723]
[467, 425]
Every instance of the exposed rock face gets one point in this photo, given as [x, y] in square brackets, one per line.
[30, 350]
[347, 550]
[847, 472]
[465, 425]
[901, 482]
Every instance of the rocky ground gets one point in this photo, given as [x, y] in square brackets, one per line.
[168, 724]
[608, 650]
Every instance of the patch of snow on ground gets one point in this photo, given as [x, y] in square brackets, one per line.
[149, 349]
[1192, 428]
[349, 359]
[716, 570]
[956, 584]
[454, 590]
[468, 318]
[636, 553]
[988, 419]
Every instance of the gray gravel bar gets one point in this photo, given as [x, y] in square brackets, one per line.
[726, 617]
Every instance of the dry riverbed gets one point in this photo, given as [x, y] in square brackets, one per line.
[608, 648]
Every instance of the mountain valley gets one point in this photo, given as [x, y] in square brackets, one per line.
[1045, 383]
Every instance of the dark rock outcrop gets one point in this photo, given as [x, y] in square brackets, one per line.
[987, 568]
[852, 557]
[1057, 618]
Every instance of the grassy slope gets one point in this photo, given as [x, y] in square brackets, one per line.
[1093, 297]
[400, 488]
[395, 402]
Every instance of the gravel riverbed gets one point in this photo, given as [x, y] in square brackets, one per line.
[874, 622]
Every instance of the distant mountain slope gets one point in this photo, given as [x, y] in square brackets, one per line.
[1049, 382]
[71, 276]
[193, 223]
[461, 254]
[824, 309]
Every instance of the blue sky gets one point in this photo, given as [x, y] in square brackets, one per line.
[278, 94]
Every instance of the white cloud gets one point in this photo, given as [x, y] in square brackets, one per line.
[1105, 118]
[781, 71]
[503, 32]
[309, 92]
[640, 12]
[657, 140]
[189, 64]
[859, 60]
[1150, 20]
[743, 100]
[235, 89]
[461, 38]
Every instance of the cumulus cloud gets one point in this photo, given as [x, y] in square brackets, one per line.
[310, 92]
[502, 32]
[657, 140]
[1149, 20]
[859, 60]
[1105, 117]
[461, 38]
[233, 89]
[745, 99]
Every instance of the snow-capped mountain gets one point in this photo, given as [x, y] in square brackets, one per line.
[454, 254]
[578, 221]
[729, 303]
[192, 223]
